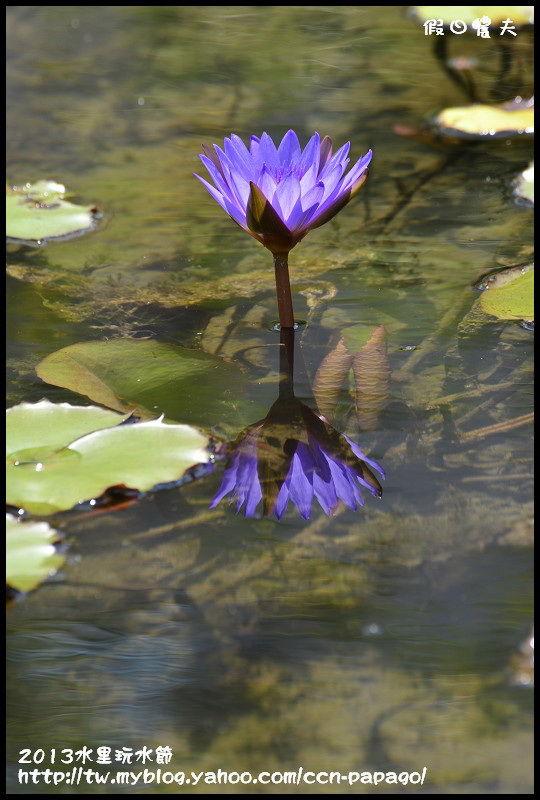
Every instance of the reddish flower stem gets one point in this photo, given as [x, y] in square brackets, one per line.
[283, 290]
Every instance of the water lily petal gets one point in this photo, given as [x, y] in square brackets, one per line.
[289, 149]
[330, 181]
[282, 501]
[239, 156]
[267, 184]
[329, 208]
[300, 480]
[300, 226]
[295, 190]
[224, 160]
[313, 196]
[310, 156]
[309, 179]
[254, 143]
[213, 191]
[339, 198]
[295, 454]
[212, 155]
[305, 208]
[241, 188]
[357, 185]
[216, 173]
[319, 457]
[326, 494]
[254, 497]
[247, 483]
[323, 486]
[228, 482]
[325, 152]
[362, 456]
[236, 213]
[288, 193]
[357, 170]
[339, 158]
[369, 482]
[268, 152]
[346, 489]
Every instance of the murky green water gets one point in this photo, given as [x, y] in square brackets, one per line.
[386, 639]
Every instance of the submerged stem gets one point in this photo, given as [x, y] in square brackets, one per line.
[283, 290]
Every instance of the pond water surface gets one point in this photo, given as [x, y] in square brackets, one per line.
[384, 639]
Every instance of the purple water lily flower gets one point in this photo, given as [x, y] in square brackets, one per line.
[295, 454]
[278, 194]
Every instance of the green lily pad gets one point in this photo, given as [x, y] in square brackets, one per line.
[52, 476]
[510, 295]
[520, 15]
[479, 120]
[31, 556]
[147, 377]
[524, 185]
[37, 213]
[52, 425]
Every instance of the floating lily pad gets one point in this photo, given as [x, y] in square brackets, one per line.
[58, 472]
[524, 185]
[147, 377]
[520, 15]
[37, 213]
[31, 556]
[510, 295]
[52, 425]
[478, 120]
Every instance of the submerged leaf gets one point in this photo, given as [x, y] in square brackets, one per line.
[47, 477]
[37, 213]
[364, 349]
[330, 377]
[357, 336]
[372, 379]
[31, 556]
[147, 376]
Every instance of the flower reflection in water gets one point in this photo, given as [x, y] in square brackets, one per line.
[295, 454]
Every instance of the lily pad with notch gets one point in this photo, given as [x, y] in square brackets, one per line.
[50, 470]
